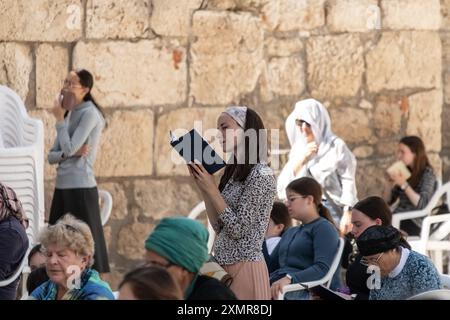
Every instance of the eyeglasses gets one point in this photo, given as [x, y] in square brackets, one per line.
[289, 200]
[367, 262]
[300, 123]
[69, 84]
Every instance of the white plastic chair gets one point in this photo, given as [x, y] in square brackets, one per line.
[106, 203]
[194, 214]
[17, 273]
[434, 244]
[22, 158]
[326, 280]
[443, 190]
[440, 294]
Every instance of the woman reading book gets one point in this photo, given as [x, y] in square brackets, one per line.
[413, 193]
[239, 208]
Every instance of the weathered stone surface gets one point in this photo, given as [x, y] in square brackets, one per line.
[126, 145]
[131, 240]
[120, 202]
[49, 189]
[447, 87]
[167, 197]
[49, 138]
[44, 20]
[437, 164]
[148, 72]
[387, 117]
[108, 237]
[351, 124]
[172, 17]
[446, 167]
[363, 151]
[387, 147]
[300, 14]
[335, 65]
[425, 118]
[445, 126]
[227, 56]
[354, 15]
[411, 14]
[286, 76]
[276, 47]
[405, 60]
[180, 121]
[16, 65]
[445, 11]
[106, 19]
[364, 104]
[52, 66]
[370, 177]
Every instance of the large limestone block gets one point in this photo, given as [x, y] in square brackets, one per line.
[106, 19]
[411, 14]
[351, 124]
[41, 20]
[16, 66]
[424, 120]
[173, 17]
[354, 15]
[126, 145]
[52, 66]
[300, 14]
[167, 197]
[131, 238]
[285, 76]
[387, 117]
[335, 65]
[409, 59]
[180, 121]
[226, 57]
[147, 72]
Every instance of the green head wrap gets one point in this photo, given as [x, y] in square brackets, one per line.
[180, 240]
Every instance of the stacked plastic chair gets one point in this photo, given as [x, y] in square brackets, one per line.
[22, 159]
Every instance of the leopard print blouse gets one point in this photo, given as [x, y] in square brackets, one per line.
[241, 227]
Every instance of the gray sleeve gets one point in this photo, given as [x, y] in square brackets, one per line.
[427, 188]
[55, 153]
[70, 145]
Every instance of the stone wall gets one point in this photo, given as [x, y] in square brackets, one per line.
[377, 65]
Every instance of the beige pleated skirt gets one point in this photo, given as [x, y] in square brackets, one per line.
[250, 280]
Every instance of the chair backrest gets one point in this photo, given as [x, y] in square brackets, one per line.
[194, 214]
[441, 294]
[16, 273]
[445, 280]
[106, 203]
[334, 266]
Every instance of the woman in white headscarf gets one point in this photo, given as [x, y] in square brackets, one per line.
[318, 153]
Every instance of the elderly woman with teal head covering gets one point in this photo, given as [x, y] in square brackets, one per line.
[180, 245]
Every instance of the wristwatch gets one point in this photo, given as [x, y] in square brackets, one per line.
[289, 277]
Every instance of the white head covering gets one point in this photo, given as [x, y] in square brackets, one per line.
[238, 114]
[316, 115]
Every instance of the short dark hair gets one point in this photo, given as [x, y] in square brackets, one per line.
[33, 251]
[280, 215]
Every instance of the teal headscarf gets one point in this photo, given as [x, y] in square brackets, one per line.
[180, 240]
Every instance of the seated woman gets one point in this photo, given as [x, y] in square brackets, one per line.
[36, 258]
[69, 248]
[279, 222]
[149, 283]
[404, 273]
[306, 252]
[13, 239]
[415, 192]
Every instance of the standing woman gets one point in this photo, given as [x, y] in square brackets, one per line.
[327, 159]
[415, 192]
[239, 209]
[79, 126]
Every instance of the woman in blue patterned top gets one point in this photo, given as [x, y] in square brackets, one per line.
[401, 273]
[69, 248]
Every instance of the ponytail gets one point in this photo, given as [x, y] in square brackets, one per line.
[325, 213]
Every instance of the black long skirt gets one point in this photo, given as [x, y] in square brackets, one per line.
[83, 203]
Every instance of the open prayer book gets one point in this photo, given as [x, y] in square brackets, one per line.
[192, 147]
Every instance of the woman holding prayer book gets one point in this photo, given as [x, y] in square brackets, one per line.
[413, 193]
[239, 208]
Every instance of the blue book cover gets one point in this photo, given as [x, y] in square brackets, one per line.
[192, 147]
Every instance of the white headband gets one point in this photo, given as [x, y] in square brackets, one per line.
[239, 114]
